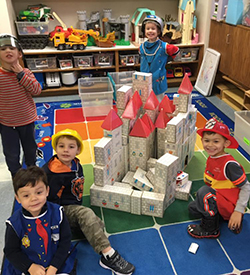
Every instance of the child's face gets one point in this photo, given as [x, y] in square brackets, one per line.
[33, 198]
[66, 150]
[9, 55]
[151, 31]
[214, 144]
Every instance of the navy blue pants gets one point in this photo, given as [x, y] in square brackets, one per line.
[204, 204]
[12, 137]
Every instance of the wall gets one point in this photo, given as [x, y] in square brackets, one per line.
[7, 17]
[203, 13]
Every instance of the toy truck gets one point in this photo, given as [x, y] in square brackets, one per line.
[70, 39]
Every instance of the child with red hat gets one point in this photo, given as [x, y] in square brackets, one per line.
[227, 189]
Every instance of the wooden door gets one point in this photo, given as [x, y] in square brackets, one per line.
[240, 58]
[221, 40]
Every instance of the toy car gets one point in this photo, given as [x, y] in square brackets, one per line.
[178, 72]
[186, 70]
[170, 73]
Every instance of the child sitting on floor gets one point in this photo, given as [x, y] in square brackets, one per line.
[37, 239]
[66, 180]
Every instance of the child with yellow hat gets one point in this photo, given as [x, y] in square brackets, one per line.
[227, 189]
[66, 181]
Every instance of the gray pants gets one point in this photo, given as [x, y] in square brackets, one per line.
[91, 226]
[204, 204]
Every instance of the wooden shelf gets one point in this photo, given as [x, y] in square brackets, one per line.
[234, 96]
[233, 104]
[74, 69]
[117, 50]
[177, 81]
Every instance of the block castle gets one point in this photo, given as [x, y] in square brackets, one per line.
[144, 146]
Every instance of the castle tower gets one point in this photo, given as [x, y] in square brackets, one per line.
[151, 106]
[139, 145]
[161, 124]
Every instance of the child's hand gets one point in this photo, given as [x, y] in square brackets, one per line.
[235, 220]
[16, 67]
[51, 270]
[36, 269]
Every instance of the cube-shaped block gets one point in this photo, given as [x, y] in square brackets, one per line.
[116, 136]
[165, 172]
[136, 202]
[122, 184]
[151, 163]
[123, 95]
[139, 152]
[175, 129]
[129, 178]
[112, 197]
[151, 175]
[184, 102]
[182, 192]
[102, 174]
[103, 151]
[141, 181]
[153, 204]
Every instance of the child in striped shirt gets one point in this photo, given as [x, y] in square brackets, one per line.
[17, 107]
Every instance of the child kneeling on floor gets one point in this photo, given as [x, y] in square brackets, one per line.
[66, 180]
[227, 189]
[38, 238]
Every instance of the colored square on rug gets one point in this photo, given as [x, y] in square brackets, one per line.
[209, 258]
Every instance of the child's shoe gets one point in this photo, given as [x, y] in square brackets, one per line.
[117, 264]
[209, 228]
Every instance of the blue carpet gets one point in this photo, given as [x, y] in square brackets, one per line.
[143, 248]
[208, 260]
[163, 251]
[237, 246]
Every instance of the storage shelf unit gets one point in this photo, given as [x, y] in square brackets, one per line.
[235, 95]
[230, 42]
[116, 66]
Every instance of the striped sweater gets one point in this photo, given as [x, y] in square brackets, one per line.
[17, 107]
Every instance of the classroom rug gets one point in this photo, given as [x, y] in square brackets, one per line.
[156, 246]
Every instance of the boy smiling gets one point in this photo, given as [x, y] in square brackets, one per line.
[227, 189]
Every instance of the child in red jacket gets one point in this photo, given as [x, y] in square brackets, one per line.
[227, 189]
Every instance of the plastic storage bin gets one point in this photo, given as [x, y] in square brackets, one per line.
[129, 59]
[187, 54]
[96, 94]
[41, 63]
[83, 61]
[104, 59]
[119, 79]
[65, 63]
[32, 28]
[241, 129]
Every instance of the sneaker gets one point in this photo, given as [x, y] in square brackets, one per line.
[117, 264]
[209, 228]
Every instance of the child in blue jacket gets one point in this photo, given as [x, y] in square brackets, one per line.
[155, 53]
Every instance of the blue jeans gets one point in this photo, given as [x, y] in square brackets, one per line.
[12, 137]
